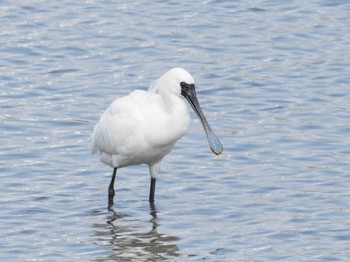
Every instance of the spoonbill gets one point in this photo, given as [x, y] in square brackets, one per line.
[142, 127]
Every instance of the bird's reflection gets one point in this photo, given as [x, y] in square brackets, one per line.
[128, 237]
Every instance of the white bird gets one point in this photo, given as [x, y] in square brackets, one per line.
[142, 127]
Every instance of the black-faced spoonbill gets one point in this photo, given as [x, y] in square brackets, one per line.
[142, 127]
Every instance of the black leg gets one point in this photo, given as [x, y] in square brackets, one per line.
[111, 188]
[152, 189]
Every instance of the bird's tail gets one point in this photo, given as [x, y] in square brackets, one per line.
[93, 147]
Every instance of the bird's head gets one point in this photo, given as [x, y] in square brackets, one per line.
[179, 82]
[171, 82]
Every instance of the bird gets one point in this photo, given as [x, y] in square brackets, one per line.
[143, 127]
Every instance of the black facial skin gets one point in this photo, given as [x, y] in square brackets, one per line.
[187, 89]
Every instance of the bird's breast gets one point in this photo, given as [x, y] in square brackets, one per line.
[165, 127]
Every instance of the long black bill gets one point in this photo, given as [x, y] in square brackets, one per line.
[189, 92]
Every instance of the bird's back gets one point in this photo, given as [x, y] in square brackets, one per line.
[135, 129]
[116, 124]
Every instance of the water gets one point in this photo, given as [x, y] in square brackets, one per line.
[273, 79]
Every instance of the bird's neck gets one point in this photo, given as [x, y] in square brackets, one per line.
[171, 102]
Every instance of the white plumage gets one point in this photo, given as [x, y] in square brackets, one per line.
[142, 127]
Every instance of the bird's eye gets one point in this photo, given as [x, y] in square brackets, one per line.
[183, 84]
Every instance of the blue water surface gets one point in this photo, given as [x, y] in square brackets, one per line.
[273, 79]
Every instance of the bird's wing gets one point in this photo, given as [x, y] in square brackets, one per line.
[118, 124]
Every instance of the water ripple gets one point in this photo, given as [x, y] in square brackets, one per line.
[273, 81]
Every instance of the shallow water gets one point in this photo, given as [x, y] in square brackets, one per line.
[273, 79]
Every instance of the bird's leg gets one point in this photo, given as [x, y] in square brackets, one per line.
[111, 192]
[152, 189]
[154, 170]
